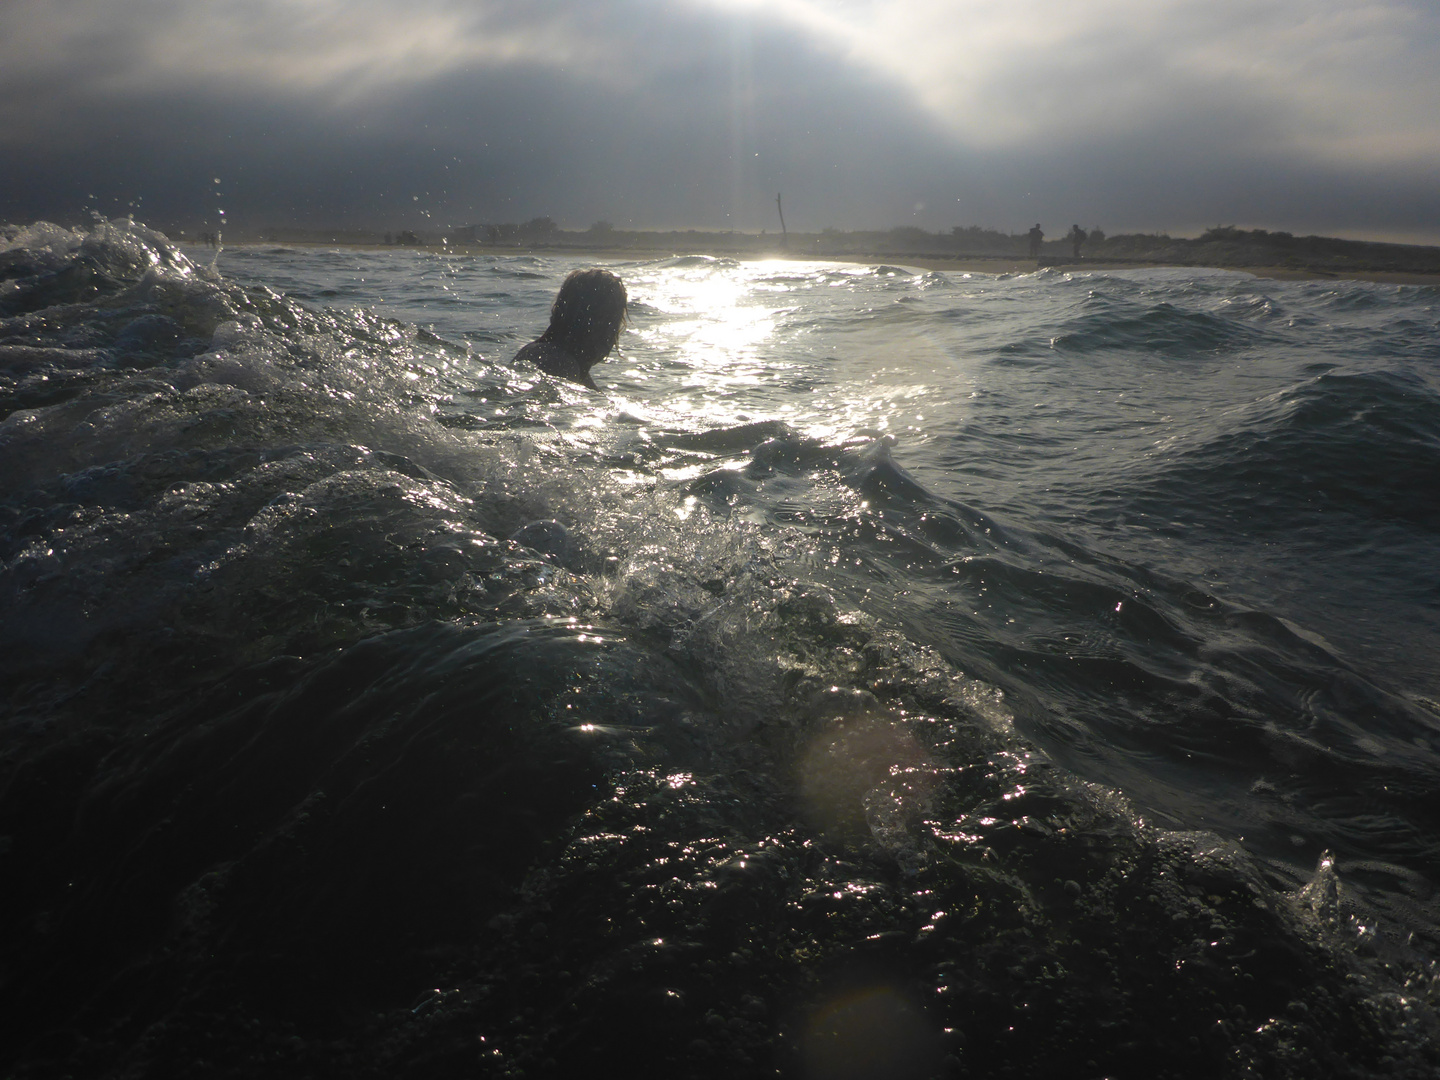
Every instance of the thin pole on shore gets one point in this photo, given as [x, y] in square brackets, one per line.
[784, 236]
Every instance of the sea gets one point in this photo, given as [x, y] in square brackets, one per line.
[885, 673]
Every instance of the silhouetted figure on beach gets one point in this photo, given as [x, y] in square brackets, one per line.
[1035, 237]
[585, 324]
[1077, 237]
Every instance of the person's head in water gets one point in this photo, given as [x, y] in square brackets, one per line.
[588, 315]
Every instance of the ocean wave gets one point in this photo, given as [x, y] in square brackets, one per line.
[1363, 444]
[343, 664]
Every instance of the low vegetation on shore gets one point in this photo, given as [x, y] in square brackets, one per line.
[1226, 245]
[1221, 246]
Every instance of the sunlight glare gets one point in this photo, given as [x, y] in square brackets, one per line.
[717, 324]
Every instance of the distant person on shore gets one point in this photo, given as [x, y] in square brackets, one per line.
[1035, 237]
[1077, 237]
[585, 324]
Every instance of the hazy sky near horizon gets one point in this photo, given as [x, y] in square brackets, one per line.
[1306, 115]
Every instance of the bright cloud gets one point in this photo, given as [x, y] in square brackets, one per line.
[1337, 78]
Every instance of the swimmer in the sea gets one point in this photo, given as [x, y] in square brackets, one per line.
[585, 324]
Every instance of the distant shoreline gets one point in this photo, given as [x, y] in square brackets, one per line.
[965, 264]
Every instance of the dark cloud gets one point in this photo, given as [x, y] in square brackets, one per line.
[650, 115]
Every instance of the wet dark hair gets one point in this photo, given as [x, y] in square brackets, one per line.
[588, 314]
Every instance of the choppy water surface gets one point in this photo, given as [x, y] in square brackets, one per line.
[886, 673]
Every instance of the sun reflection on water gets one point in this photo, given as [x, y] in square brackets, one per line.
[714, 320]
[825, 349]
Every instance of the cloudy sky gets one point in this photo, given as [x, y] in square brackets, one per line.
[1307, 115]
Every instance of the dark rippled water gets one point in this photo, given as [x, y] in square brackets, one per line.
[887, 673]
